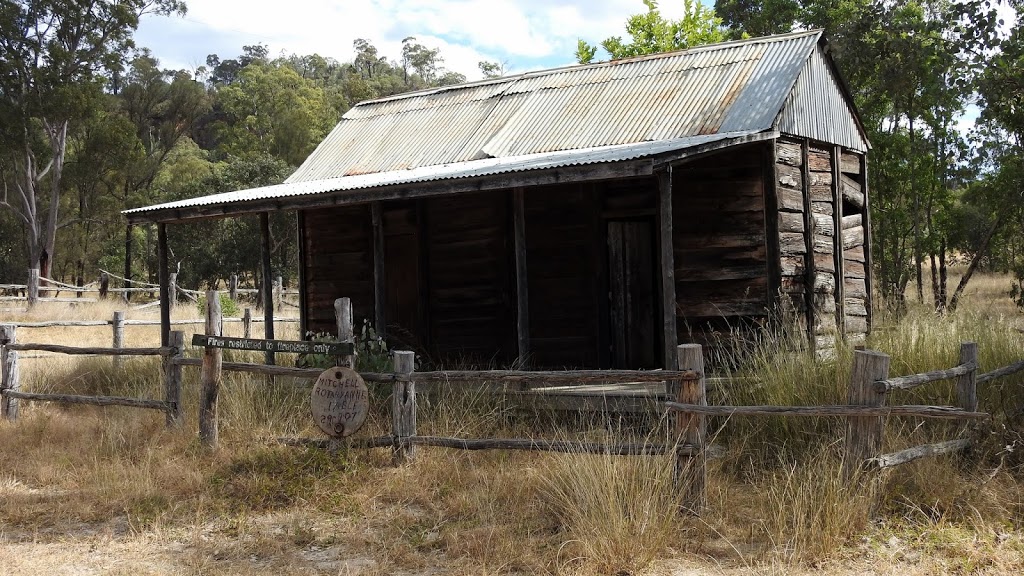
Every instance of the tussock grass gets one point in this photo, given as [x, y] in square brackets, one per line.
[778, 502]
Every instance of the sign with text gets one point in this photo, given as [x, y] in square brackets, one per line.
[340, 401]
[253, 344]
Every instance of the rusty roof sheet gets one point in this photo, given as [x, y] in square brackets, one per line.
[728, 87]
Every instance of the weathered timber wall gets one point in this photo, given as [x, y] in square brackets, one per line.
[823, 234]
[564, 271]
[470, 287]
[339, 263]
[793, 244]
[853, 238]
[719, 242]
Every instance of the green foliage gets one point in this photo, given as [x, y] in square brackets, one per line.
[372, 354]
[228, 307]
[651, 33]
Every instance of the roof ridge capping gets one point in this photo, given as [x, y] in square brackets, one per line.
[604, 63]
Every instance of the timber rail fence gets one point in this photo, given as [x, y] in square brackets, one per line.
[864, 412]
[37, 285]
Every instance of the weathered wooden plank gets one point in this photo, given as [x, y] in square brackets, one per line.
[667, 268]
[855, 270]
[790, 199]
[691, 309]
[819, 161]
[852, 221]
[856, 324]
[793, 266]
[917, 452]
[825, 283]
[700, 272]
[163, 350]
[825, 208]
[855, 288]
[912, 381]
[821, 244]
[863, 433]
[791, 222]
[684, 240]
[90, 400]
[824, 262]
[820, 179]
[824, 225]
[853, 237]
[293, 346]
[855, 254]
[522, 286]
[1000, 372]
[849, 163]
[939, 412]
[794, 284]
[855, 306]
[852, 192]
[788, 153]
[788, 176]
[791, 243]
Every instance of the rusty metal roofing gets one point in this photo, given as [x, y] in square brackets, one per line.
[469, 169]
[719, 88]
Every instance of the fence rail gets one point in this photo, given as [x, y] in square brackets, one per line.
[686, 386]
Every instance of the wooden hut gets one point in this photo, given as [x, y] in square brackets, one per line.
[588, 216]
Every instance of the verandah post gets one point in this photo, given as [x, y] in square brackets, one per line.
[247, 323]
[210, 375]
[691, 462]
[864, 433]
[8, 371]
[403, 406]
[172, 378]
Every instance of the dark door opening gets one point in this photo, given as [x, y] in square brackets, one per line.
[632, 294]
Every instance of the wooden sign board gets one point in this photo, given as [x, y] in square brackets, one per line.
[340, 401]
[256, 345]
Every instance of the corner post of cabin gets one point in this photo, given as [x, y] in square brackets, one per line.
[837, 240]
[868, 260]
[379, 281]
[809, 266]
[522, 289]
[667, 267]
[165, 279]
[268, 283]
[773, 239]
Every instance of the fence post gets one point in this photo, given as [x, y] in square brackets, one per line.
[118, 324]
[691, 463]
[403, 406]
[8, 371]
[210, 375]
[32, 286]
[279, 294]
[104, 285]
[172, 378]
[864, 433]
[247, 323]
[346, 332]
[172, 290]
[233, 287]
[79, 281]
[967, 385]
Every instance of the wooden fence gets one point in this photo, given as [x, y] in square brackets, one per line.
[36, 285]
[868, 388]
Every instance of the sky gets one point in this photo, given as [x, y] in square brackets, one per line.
[522, 34]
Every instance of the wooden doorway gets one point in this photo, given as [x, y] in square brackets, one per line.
[632, 294]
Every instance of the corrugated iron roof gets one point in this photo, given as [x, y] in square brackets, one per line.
[469, 169]
[727, 87]
[598, 113]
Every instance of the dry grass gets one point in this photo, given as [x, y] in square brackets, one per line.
[86, 490]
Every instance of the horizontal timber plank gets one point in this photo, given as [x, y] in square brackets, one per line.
[60, 323]
[914, 380]
[852, 221]
[791, 222]
[789, 154]
[918, 452]
[90, 400]
[941, 412]
[790, 199]
[791, 243]
[855, 306]
[564, 446]
[849, 163]
[818, 161]
[788, 176]
[554, 376]
[310, 373]
[163, 351]
[853, 237]
[1000, 372]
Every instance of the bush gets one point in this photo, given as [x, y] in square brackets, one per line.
[228, 307]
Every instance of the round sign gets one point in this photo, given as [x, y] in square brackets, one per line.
[340, 401]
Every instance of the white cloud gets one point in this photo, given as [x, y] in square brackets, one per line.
[524, 33]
